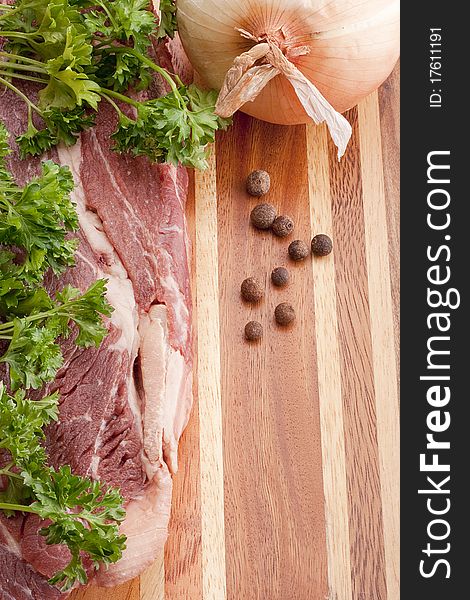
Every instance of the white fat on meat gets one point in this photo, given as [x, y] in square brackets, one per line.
[161, 399]
[164, 381]
[146, 530]
[120, 293]
[162, 412]
[153, 355]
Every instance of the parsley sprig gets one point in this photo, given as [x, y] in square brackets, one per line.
[84, 515]
[36, 221]
[168, 24]
[80, 52]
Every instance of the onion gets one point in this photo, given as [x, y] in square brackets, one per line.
[289, 61]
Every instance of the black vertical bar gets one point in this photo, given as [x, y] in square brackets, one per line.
[435, 118]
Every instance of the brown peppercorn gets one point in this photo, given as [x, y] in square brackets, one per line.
[280, 276]
[283, 226]
[253, 331]
[251, 290]
[284, 313]
[321, 245]
[258, 183]
[298, 250]
[262, 216]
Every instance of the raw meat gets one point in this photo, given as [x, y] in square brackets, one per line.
[123, 406]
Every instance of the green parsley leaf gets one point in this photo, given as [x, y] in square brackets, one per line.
[119, 71]
[37, 219]
[168, 24]
[21, 425]
[175, 128]
[67, 125]
[68, 89]
[83, 50]
[84, 515]
[34, 142]
[85, 311]
[6, 180]
[81, 514]
[61, 126]
[53, 27]
[34, 355]
[21, 432]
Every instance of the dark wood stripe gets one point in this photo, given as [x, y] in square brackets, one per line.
[389, 104]
[274, 502]
[183, 567]
[365, 512]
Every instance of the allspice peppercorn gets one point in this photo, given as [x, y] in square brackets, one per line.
[262, 216]
[280, 276]
[258, 183]
[283, 226]
[284, 313]
[251, 290]
[321, 245]
[253, 331]
[298, 250]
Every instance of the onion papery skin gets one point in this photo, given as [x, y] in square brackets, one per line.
[354, 46]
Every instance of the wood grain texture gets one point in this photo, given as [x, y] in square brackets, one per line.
[126, 591]
[389, 106]
[152, 580]
[183, 553]
[329, 372]
[275, 527]
[287, 486]
[382, 334]
[209, 386]
[360, 419]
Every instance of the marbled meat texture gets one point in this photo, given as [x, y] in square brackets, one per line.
[123, 406]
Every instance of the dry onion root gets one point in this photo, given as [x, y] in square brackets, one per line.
[289, 61]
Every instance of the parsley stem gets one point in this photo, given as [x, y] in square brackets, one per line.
[20, 507]
[20, 67]
[20, 76]
[25, 59]
[16, 34]
[13, 88]
[160, 70]
[9, 10]
[61, 311]
[106, 96]
[119, 96]
[109, 15]
[7, 473]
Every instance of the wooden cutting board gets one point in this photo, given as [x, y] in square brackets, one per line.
[288, 487]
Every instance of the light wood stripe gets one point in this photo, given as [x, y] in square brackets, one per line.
[210, 410]
[126, 591]
[382, 332]
[329, 373]
[152, 581]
